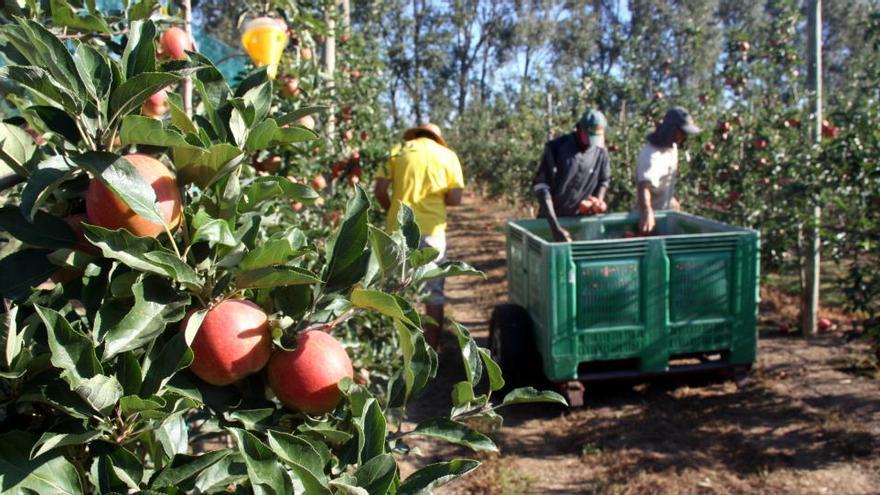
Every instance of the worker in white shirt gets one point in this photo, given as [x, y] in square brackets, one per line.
[658, 166]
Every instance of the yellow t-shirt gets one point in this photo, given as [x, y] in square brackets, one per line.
[421, 172]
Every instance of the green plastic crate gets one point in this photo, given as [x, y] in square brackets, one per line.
[642, 302]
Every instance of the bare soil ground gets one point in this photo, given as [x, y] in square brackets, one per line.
[808, 422]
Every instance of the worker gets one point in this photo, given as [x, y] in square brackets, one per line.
[574, 174]
[657, 167]
[425, 174]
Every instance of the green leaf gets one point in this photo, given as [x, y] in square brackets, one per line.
[373, 430]
[183, 470]
[41, 82]
[115, 469]
[348, 262]
[302, 458]
[173, 357]
[445, 270]
[64, 15]
[130, 374]
[204, 167]
[343, 488]
[175, 268]
[382, 303]
[100, 392]
[12, 341]
[44, 474]
[419, 360]
[156, 304]
[262, 464]
[377, 475]
[279, 276]
[267, 134]
[120, 176]
[94, 70]
[388, 253]
[45, 179]
[270, 187]
[141, 253]
[253, 419]
[462, 393]
[58, 121]
[172, 435]
[273, 252]
[529, 395]
[470, 354]
[139, 55]
[131, 94]
[22, 270]
[423, 481]
[406, 220]
[229, 470]
[51, 440]
[43, 49]
[131, 404]
[16, 147]
[297, 114]
[72, 351]
[46, 230]
[493, 371]
[180, 119]
[215, 232]
[260, 99]
[454, 432]
[293, 300]
[137, 129]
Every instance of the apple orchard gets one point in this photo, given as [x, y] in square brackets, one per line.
[195, 296]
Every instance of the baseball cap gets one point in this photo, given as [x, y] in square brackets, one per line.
[681, 118]
[594, 123]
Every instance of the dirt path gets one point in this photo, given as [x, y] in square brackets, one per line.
[802, 425]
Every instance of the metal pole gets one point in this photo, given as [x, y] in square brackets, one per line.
[330, 66]
[810, 295]
[187, 83]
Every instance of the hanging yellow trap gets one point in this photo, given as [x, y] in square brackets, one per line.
[264, 39]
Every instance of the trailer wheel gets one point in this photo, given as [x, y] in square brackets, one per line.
[512, 345]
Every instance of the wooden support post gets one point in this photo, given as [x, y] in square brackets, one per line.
[187, 82]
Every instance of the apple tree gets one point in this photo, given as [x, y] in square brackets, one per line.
[100, 382]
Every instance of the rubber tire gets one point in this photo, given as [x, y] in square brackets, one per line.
[512, 345]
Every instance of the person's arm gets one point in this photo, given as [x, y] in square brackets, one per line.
[541, 186]
[380, 190]
[647, 221]
[453, 197]
[604, 181]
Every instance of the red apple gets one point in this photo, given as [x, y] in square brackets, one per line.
[724, 126]
[290, 87]
[760, 143]
[75, 221]
[709, 147]
[306, 121]
[307, 378]
[156, 105]
[233, 342]
[305, 53]
[744, 46]
[319, 183]
[733, 195]
[365, 136]
[105, 209]
[704, 98]
[825, 324]
[344, 38]
[355, 74]
[174, 43]
[270, 165]
[347, 135]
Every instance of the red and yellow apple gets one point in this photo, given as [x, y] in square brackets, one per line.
[232, 342]
[307, 378]
[105, 209]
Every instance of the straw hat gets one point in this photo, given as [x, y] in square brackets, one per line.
[425, 130]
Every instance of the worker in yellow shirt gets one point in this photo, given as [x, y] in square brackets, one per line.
[426, 175]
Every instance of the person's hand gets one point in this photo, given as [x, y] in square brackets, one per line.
[561, 235]
[647, 222]
[674, 205]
